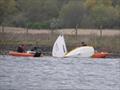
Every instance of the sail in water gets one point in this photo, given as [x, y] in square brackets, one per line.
[59, 47]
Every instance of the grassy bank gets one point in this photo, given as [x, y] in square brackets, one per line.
[10, 41]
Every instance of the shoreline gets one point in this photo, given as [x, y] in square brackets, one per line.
[47, 50]
[10, 41]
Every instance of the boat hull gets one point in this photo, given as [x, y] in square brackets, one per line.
[100, 55]
[13, 53]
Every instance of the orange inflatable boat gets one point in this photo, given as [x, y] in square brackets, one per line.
[13, 53]
[96, 55]
[100, 55]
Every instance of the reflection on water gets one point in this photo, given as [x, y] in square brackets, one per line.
[18, 73]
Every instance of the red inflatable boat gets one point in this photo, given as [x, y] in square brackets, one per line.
[13, 53]
[100, 55]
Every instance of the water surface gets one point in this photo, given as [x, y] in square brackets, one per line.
[20, 73]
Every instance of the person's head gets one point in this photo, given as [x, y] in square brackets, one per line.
[35, 48]
[22, 45]
[82, 42]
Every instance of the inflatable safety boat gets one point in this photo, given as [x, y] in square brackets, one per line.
[14, 53]
[100, 55]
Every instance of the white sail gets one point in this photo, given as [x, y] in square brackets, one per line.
[59, 47]
[85, 51]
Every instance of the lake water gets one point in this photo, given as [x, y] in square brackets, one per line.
[19, 73]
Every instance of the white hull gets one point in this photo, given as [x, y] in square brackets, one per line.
[85, 51]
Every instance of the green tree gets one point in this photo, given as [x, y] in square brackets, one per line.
[116, 2]
[104, 2]
[90, 3]
[72, 13]
[39, 10]
[7, 8]
[104, 16]
[117, 22]
[61, 3]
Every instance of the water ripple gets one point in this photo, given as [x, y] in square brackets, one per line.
[59, 73]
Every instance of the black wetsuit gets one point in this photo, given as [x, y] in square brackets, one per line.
[20, 49]
[37, 51]
[37, 54]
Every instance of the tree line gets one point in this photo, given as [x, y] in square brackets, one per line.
[52, 14]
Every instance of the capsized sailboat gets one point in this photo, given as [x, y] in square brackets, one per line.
[60, 50]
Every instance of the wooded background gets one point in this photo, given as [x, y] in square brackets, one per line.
[56, 14]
